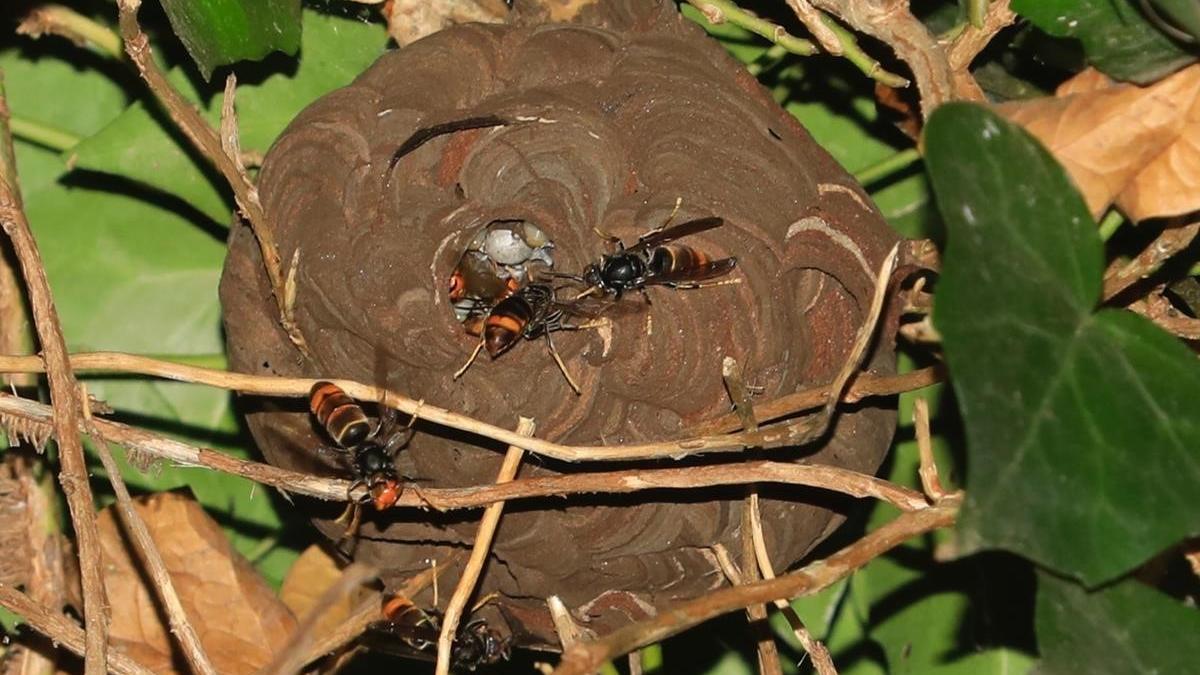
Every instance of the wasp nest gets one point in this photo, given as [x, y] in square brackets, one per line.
[614, 120]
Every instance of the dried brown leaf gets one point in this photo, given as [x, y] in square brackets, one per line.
[1137, 147]
[564, 10]
[310, 576]
[240, 622]
[411, 20]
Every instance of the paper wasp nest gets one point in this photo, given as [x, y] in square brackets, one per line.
[633, 107]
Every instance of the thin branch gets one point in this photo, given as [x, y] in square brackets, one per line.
[67, 23]
[776, 436]
[768, 652]
[930, 481]
[975, 12]
[832, 478]
[208, 143]
[62, 630]
[295, 654]
[818, 652]
[734, 574]
[967, 45]
[635, 663]
[64, 394]
[1159, 309]
[183, 454]
[155, 568]
[888, 165]
[585, 658]
[864, 385]
[42, 134]
[814, 20]
[853, 53]
[568, 630]
[479, 552]
[718, 12]
[891, 22]
[721, 11]
[1175, 237]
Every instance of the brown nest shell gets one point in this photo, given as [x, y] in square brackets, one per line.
[626, 111]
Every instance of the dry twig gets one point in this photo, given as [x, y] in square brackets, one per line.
[832, 478]
[814, 21]
[891, 22]
[1175, 237]
[820, 655]
[972, 40]
[721, 11]
[586, 658]
[928, 471]
[209, 143]
[1159, 309]
[154, 567]
[569, 631]
[66, 22]
[768, 653]
[62, 630]
[770, 437]
[64, 394]
[479, 552]
[863, 386]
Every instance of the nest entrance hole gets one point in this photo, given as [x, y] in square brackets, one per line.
[501, 258]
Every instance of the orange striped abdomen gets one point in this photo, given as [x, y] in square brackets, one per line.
[505, 324]
[675, 258]
[341, 416]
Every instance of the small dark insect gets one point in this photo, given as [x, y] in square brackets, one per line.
[476, 644]
[531, 312]
[654, 261]
[370, 451]
[422, 136]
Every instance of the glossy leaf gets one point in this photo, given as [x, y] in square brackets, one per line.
[1125, 628]
[220, 32]
[137, 146]
[1115, 35]
[129, 274]
[1081, 427]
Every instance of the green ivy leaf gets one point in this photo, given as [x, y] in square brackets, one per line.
[1114, 34]
[1081, 427]
[137, 146]
[220, 32]
[1125, 628]
[131, 275]
[1186, 13]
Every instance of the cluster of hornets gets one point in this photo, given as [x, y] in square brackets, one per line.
[501, 315]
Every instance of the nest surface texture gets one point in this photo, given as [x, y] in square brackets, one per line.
[627, 110]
